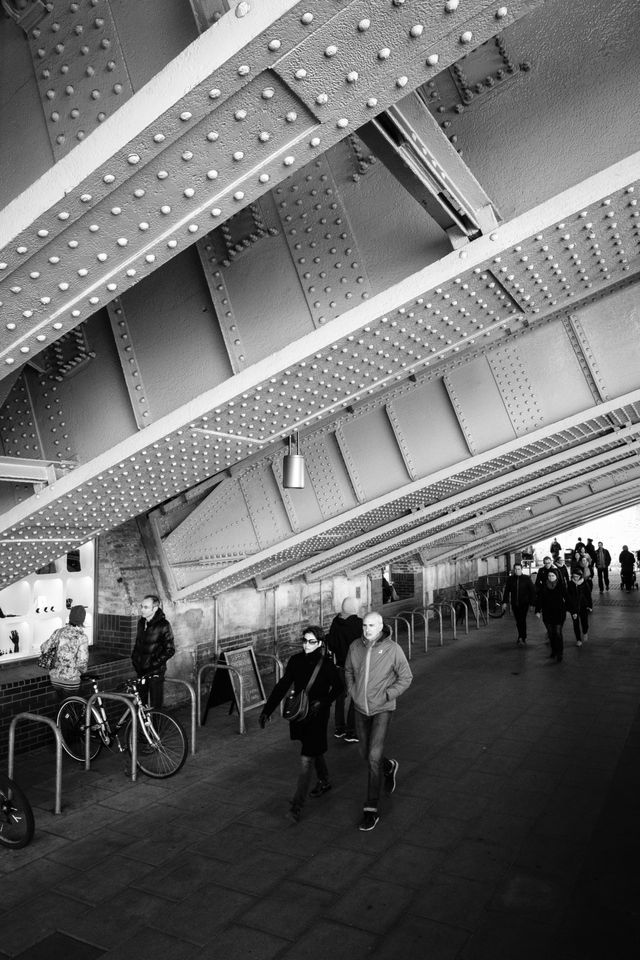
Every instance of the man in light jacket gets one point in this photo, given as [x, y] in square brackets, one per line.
[376, 672]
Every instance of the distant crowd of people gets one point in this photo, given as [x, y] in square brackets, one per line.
[560, 590]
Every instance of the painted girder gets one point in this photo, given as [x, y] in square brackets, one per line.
[407, 329]
[245, 105]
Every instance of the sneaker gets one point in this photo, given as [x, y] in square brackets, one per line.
[579, 643]
[351, 738]
[585, 637]
[369, 820]
[321, 787]
[390, 776]
[339, 734]
[295, 812]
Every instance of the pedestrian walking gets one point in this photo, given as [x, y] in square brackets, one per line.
[579, 606]
[603, 562]
[377, 673]
[555, 548]
[543, 573]
[315, 672]
[563, 572]
[627, 563]
[520, 592]
[345, 628]
[551, 607]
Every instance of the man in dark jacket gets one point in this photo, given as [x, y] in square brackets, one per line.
[153, 647]
[345, 628]
[543, 573]
[551, 605]
[520, 591]
[627, 563]
[603, 562]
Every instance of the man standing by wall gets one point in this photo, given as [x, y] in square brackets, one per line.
[603, 562]
[377, 672]
[153, 647]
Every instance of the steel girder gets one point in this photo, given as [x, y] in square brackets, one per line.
[247, 104]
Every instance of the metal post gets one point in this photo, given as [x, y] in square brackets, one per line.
[56, 732]
[134, 728]
[192, 695]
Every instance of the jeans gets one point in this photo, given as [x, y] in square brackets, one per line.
[307, 765]
[581, 624]
[152, 690]
[520, 614]
[554, 632]
[341, 725]
[372, 732]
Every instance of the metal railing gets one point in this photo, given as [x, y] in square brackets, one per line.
[192, 694]
[221, 666]
[407, 623]
[56, 732]
[438, 611]
[121, 698]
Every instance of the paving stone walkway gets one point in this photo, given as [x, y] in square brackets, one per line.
[513, 833]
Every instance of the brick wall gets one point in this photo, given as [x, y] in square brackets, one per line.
[34, 694]
[115, 634]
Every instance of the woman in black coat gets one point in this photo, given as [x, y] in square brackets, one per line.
[312, 732]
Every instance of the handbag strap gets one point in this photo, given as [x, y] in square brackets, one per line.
[313, 676]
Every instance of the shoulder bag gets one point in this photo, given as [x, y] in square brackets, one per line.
[296, 705]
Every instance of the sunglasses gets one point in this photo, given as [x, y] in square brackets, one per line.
[311, 640]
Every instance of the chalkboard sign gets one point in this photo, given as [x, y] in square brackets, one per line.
[226, 684]
[244, 661]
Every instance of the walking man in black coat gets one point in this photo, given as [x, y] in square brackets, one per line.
[603, 562]
[520, 591]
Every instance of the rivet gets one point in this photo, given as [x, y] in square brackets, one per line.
[384, 54]
[372, 102]
[185, 116]
[331, 51]
[274, 45]
[300, 74]
[364, 25]
[451, 5]
[466, 37]
[501, 12]
[417, 30]
[352, 76]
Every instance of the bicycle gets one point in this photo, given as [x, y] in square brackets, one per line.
[492, 599]
[16, 816]
[162, 742]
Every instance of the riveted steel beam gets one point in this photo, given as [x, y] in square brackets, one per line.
[409, 141]
[265, 401]
[483, 509]
[275, 76]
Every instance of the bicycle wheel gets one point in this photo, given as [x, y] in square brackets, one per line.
[164, 753]
[70, 721]
[16, 815]
[494, 604]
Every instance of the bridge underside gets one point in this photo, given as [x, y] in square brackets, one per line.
[408, 231]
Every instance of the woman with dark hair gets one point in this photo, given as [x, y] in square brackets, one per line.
[310, 665]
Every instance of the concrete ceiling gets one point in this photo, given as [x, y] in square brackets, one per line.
[207, 243]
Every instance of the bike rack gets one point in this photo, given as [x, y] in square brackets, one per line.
[465, 610]
[192, 695]
[395, 629]
[421, 612]
[437, 609]
[221, 666]
[412, 616]
[121, 698]
[12, 744]
[452, 616]
[279, 670]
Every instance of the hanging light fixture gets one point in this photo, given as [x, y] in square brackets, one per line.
[293, 467]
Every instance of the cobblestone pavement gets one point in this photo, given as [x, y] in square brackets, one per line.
[513, 831]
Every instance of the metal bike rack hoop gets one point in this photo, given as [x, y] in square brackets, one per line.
[192, 694]
[56, 732]
[121, 698]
